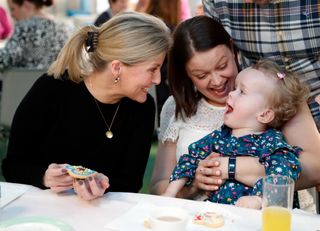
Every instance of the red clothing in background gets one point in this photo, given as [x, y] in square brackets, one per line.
[5, 24]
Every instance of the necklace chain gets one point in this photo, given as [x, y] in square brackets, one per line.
[109, 133]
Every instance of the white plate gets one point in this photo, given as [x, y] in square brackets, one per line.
[34, 224]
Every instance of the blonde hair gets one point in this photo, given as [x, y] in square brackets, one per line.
[288, 95]
[129, 37]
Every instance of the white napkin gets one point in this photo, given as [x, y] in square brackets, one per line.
[133, 219]
[10, 192]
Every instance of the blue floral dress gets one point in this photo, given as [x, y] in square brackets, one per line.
[270, 147]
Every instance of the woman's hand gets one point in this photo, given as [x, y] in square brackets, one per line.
[212, 172]
[57, 178]
[92, 187]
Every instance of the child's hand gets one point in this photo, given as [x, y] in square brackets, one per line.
[251, 202]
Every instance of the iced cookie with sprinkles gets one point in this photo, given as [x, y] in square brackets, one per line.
[80, 172]
[209, 219]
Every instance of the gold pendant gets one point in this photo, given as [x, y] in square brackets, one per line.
[109, 134]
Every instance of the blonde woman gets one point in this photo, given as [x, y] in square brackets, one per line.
[92, 109]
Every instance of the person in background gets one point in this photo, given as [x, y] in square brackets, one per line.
[141, 5]
[203, 64]
[92, 109]
[169, 11]
[6, 27]
[284, 31]
[115, 6]
[37, 37]
[196, 7]
[264, 99]
[199, 10]
[185, 9]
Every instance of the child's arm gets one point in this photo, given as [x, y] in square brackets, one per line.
[251, 202]
[282, 162]
[174, 187]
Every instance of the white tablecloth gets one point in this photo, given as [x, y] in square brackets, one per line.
[101, 214]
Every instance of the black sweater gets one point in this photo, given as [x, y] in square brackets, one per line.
[59, 122]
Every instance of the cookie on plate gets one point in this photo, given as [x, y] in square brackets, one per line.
[209, 219]
[80, 172]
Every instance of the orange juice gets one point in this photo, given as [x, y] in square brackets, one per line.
[276, 219]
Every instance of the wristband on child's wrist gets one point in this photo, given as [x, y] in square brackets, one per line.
[232, 168]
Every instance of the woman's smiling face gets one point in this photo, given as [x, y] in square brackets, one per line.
[137, 79]
[213, 73]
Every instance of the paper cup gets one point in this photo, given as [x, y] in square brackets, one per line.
[168, 219]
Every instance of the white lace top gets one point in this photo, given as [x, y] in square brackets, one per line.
[207, 119]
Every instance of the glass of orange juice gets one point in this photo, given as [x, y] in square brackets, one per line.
[277, 203]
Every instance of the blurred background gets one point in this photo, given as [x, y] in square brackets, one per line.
[83, 12]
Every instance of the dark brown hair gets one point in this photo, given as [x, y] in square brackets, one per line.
[37, 3]
[167, 10]
[197, 34]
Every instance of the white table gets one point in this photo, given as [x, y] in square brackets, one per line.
[95, 215]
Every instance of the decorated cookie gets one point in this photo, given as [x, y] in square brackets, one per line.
[209, 219]
[80, 172]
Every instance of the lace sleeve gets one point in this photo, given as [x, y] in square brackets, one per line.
[169, 128]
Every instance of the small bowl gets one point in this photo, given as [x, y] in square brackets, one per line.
[168, 219]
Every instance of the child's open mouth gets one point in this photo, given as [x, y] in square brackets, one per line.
[228, 109]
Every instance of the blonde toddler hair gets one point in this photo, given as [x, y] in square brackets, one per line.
[289, 94]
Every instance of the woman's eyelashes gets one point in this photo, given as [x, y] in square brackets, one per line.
[222, 66]
[202, 76]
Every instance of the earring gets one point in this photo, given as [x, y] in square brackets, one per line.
[117, 79]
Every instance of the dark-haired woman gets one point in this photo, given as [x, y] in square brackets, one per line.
[202, 70]
[37, 37]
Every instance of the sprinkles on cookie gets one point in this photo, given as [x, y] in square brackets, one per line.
[209, 219]
[80, 172]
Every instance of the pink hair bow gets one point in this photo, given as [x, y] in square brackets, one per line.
[281, 75]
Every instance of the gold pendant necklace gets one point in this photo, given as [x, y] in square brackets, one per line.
[109, 133]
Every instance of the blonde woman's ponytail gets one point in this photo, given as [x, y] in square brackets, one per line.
[73, 57]
[129, 37]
